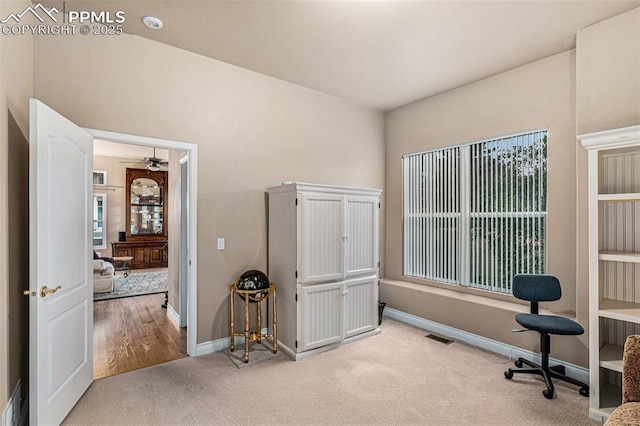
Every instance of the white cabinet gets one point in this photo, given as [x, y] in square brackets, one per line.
[614, 259]
[323, 253]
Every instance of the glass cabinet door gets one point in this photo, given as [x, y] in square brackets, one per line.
[147, 203]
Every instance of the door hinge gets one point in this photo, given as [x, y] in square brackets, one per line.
[379, 205]
[296, 201]
[296, 297]
[296, 274]
[296, 344]
[378, 264]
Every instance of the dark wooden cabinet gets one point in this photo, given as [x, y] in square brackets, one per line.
[146, 219]
[146, 254]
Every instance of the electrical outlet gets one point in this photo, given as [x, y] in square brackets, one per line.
[220, 243]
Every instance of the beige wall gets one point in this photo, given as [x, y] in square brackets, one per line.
[608, 97]
[252, 132]
[538, 95]
[608, 69]
[16, 78]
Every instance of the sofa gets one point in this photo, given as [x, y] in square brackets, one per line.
[628, 413]
[103, 273]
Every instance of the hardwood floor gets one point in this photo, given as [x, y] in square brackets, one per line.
[132, 333]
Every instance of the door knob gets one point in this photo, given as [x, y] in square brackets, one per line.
[29, 293]
[44, 290]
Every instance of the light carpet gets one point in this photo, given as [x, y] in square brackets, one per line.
[136, 284]
[258, 352]
[396, 377]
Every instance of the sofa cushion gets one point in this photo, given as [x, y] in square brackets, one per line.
[107, 269]
[627, 414]
[98, 265]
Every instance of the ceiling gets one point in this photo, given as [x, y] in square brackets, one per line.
[379, 54]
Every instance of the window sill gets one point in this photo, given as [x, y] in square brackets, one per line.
[505, 302]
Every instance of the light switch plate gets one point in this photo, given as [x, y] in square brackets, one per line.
[220, 243]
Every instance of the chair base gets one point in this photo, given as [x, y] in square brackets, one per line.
[556, 371]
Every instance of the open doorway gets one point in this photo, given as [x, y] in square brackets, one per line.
[135, 331]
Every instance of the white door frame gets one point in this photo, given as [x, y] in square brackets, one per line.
[183, 278]
[192, 153]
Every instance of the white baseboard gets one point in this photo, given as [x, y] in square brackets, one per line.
[218, 345]
[173, 314]
[572, 370]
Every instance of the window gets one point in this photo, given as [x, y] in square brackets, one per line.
[475, 214]
[99, 178]
[99, 221]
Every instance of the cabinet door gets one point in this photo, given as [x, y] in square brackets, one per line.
[361, 305]
[361, 235]
[321, 312]
[321, 233]
[139, 256]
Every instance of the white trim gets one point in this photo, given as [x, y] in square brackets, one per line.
[322, 188]
[572, 370]
[173, 314]
[192, 153]
[616, 138]
[218, 345]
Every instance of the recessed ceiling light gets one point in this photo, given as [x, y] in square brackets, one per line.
[152, 22]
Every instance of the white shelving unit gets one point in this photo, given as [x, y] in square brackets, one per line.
[614, 259]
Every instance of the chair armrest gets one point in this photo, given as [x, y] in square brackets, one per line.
[631, 370]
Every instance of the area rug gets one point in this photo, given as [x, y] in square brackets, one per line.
[258, 352]
[136, 284]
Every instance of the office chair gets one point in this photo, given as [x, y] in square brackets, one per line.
[543, 288]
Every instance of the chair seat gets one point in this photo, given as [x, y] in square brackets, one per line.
[549, 324]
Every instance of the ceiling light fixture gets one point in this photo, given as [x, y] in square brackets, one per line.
[153, 167]
[152, 22]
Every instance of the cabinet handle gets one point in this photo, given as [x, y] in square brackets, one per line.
[345, 293]
[345, 238]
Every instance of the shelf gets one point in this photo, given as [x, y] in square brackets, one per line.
[610, 398]
[632, 196]
[611, 357]
[146, 205]
[619, 256]
[618, 310]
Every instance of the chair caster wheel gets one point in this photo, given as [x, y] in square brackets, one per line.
[548, 393]
[518, 363]
[584, 391]
[508, 374]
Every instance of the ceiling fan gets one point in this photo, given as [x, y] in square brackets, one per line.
[152, 163]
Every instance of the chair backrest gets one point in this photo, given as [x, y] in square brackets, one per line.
[536, 287]
[631, 369]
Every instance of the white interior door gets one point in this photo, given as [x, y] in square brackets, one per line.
[61, 323]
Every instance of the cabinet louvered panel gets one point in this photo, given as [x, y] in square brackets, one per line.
[323, 319]
[361, 244]
[361, 305]
[322, 238]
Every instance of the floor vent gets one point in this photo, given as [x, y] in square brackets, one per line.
[439, 339]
